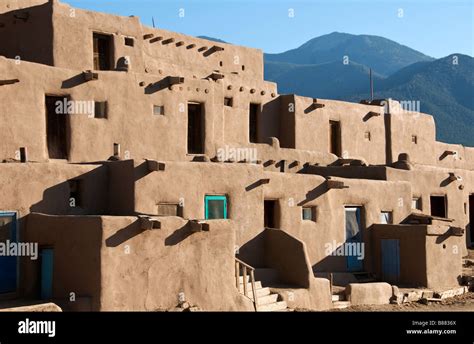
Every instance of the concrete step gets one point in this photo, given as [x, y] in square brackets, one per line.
[241, 279]
[258, 285]
[272, 307]
[265, 300]
[341, 304]
[260, 292]
[338, 297]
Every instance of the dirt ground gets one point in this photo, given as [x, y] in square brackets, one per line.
[461, 303]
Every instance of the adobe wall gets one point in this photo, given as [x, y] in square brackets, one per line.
[77, 269]
[151, 55]
[443, 258]
[27, 32]
[91, 260]
[413, 264]
[294, 191]
[10, 5]
[165, 262]
[33, 187]
[246, 200]
[130, 114]
[312, 128]
[294, 269]
[427, 181]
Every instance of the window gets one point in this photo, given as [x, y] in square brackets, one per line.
[386, 217]
[414, 139]
[309, 213]
[215, 207]
[56, 128]
[367, 136]
[438, 206]
[228, 101]
[416, 203]
[100, 110]
[195, 128]
[169, 209]
[335, 138]
[75, 193]
[254, 110]
[243, 68]
[102, 51]
[129, 41]
[158, 110]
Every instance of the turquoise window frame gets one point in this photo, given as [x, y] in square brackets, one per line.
[208, 198]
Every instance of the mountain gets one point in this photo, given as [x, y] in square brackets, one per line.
[444, 89]
[212, 39]
[381, 54]
[332, 80]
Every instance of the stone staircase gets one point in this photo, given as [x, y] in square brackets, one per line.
[266, 301]
[339, 298]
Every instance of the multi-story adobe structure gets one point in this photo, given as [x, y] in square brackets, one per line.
[148, 165]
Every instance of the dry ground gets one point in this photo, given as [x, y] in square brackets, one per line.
[461, 303]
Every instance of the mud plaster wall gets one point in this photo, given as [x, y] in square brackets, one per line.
[164, 262]
[77, 258]
[32, 30]
[292, 191]
[413, 263]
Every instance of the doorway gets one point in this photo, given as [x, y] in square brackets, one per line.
[195, 128]
[215, 207]
[390, 260]
[102, 51]
[56, 127]
[254, 110]
[8, 264]
[47, 262]
[353, 242]
[270, 214]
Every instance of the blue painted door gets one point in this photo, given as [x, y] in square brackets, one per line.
[8, 264]
[215, 207]
[353, 238]
[390, 260]
[47, 259]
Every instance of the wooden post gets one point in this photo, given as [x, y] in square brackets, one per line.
[245, 281]
[237, 275]
[117, 150]
[23, 154]
[254, 291]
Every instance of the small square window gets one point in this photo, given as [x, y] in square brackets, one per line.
[416, 203]
[386, 217]
[414, 139]
[228, 101]
[367, 136]
[309, 213]
[129, 41]
[158, 110]
[100, 110]
[169, 209]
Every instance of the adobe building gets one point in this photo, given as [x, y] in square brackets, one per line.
[154, 169]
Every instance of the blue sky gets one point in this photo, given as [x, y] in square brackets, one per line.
[435, 27]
